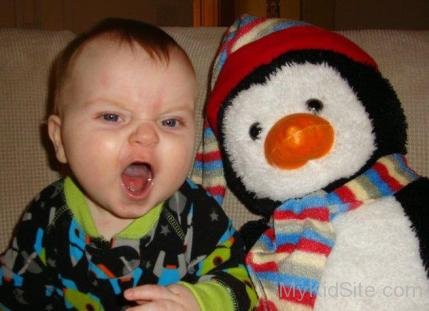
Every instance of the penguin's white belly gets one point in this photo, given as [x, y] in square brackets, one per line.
[375, 263]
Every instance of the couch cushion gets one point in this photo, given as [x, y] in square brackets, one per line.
[26, 55]
[25, 58]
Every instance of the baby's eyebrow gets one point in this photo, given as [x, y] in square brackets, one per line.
[102, 100]
[187, 109]
[107, 103]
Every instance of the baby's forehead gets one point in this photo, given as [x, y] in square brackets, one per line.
[109, 63]
[101, 54]
[108, 47]
[101, 45]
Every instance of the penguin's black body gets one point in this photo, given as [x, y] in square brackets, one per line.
[413, 200]
[377, 244]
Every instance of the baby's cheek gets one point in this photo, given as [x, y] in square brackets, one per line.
[111, 145]
[93, 152]
[179, 157]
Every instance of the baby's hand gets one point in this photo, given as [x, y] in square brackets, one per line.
[155, 297]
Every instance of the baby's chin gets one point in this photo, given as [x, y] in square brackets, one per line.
[134, 210]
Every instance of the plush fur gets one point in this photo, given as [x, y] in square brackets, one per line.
[375, 258]
[380, 102]
[296, 88]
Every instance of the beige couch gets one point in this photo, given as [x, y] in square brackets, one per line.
[25, 57]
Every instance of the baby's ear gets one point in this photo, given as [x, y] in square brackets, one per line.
[54, 131]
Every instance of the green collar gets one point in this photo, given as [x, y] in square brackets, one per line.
[76, 201]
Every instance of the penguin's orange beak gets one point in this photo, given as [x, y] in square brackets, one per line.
[296, 139]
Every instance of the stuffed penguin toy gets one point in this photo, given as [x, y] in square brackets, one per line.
[311, 137]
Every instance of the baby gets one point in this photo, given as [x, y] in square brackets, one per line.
[124, 227]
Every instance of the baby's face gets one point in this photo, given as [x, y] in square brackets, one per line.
[127, 130]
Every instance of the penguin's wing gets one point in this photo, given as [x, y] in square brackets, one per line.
[414, 199]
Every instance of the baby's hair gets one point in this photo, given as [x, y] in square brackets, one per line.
[152, 39]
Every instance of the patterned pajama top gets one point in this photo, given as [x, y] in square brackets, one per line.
[57, 260]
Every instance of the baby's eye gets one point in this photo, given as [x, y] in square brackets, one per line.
[110, 117]
[170, 123]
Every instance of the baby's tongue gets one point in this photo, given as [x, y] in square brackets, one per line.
[137, 177]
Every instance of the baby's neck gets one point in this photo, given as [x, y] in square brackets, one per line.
[108, 225]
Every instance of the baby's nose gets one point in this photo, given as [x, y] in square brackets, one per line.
[145, 134]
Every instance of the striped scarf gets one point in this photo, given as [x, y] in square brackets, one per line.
[287, 262]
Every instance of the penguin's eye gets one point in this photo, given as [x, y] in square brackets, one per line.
[314, 105]
[255, 130]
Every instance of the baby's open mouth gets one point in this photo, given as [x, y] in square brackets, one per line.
[137, 178]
